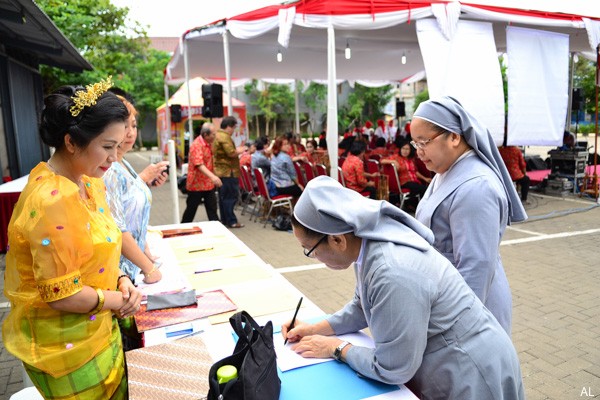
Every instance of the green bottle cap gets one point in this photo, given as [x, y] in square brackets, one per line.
[226, 373]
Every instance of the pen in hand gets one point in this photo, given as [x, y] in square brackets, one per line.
[294, 319]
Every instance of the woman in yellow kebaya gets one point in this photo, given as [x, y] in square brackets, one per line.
[62, 267]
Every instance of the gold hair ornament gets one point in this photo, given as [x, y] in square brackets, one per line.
[88, 97]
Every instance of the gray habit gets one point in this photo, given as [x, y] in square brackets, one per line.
[469, 211]
[430, 330]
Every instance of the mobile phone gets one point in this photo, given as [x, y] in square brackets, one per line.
[165, 172]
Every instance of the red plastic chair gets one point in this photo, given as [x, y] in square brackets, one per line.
[300, 173]
[373, 167]
[394, 182]
[321, 169]
[342, 180]
[341, 176]
[281, 200]
[309, 171]
[247, 187]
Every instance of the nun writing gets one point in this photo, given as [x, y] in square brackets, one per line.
[430, 331]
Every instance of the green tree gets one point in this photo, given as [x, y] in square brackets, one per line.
[366, 103]
[315, 96]
[113, 45]
[584, 77]
[274, 102]
[421, 97]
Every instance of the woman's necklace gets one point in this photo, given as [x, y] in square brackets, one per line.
[79, 183]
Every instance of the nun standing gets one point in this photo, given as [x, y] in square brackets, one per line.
[470, 201]
[430, 330]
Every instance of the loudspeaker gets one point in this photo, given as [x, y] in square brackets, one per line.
[212, 94]
[400, 109]
[175, 113]
[577, 100]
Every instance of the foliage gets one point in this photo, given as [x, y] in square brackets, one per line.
[315, 96]
[368, 103]
[274, 101]
[584, 77]
[113, 45]
[421, 97]
[503, 69]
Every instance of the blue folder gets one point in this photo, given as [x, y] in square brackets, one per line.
[329, 380]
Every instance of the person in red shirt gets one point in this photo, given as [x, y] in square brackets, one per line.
[354, 170]
[408, 174]
[201, 180]
[246, 157]
[517, 168]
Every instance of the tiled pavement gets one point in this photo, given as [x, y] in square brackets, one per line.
[552, 262]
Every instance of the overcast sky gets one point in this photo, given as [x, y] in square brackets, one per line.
[174, 17]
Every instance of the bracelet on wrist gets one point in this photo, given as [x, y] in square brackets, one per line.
[100, 304]
[123, 276]
[150, 273]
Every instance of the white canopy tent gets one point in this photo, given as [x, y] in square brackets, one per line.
[312, 35]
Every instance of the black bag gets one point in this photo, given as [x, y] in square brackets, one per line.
[283, 222]
[181, 182]
[255, 359]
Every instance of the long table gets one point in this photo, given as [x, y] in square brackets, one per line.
[217, 260]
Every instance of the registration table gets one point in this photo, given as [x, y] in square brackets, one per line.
[227, 275]
[9, 194]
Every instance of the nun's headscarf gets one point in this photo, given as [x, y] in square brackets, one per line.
[449, 114]
[327, 207]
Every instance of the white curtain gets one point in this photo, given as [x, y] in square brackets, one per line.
[466, 68]
[538, 86]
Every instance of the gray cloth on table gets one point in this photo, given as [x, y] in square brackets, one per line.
[171, 300]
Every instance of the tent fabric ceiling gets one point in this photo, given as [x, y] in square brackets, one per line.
[24, 26]
[379, 32]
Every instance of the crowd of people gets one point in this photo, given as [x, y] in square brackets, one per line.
[431, 288]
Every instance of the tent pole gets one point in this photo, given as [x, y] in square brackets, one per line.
[186, 65]
[332, 117]
[227, 71]
[173, 182]
[595, 175]
[297, 107]
[569, 104]
[168, 119]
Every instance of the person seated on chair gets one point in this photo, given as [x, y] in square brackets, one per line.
[246, 156]
[354, 170]
[310, 155]
[517, 168]
[569, 141]
[430, 331]
[295, 147]
[260, 158]
[283, 173]
[380, 148]
[408, 174]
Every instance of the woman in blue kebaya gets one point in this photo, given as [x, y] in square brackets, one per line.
[128, 195]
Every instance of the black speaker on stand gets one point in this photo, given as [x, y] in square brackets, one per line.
[212, 94]
[577, 105]
[175, 112]
[400, 109]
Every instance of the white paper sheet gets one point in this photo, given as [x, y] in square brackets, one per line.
[288, 359]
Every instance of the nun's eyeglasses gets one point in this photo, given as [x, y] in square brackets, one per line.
[421, 144]
[309, 253]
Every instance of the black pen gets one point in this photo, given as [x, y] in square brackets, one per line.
[197, 250]
[294, 319]
[207, 270]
